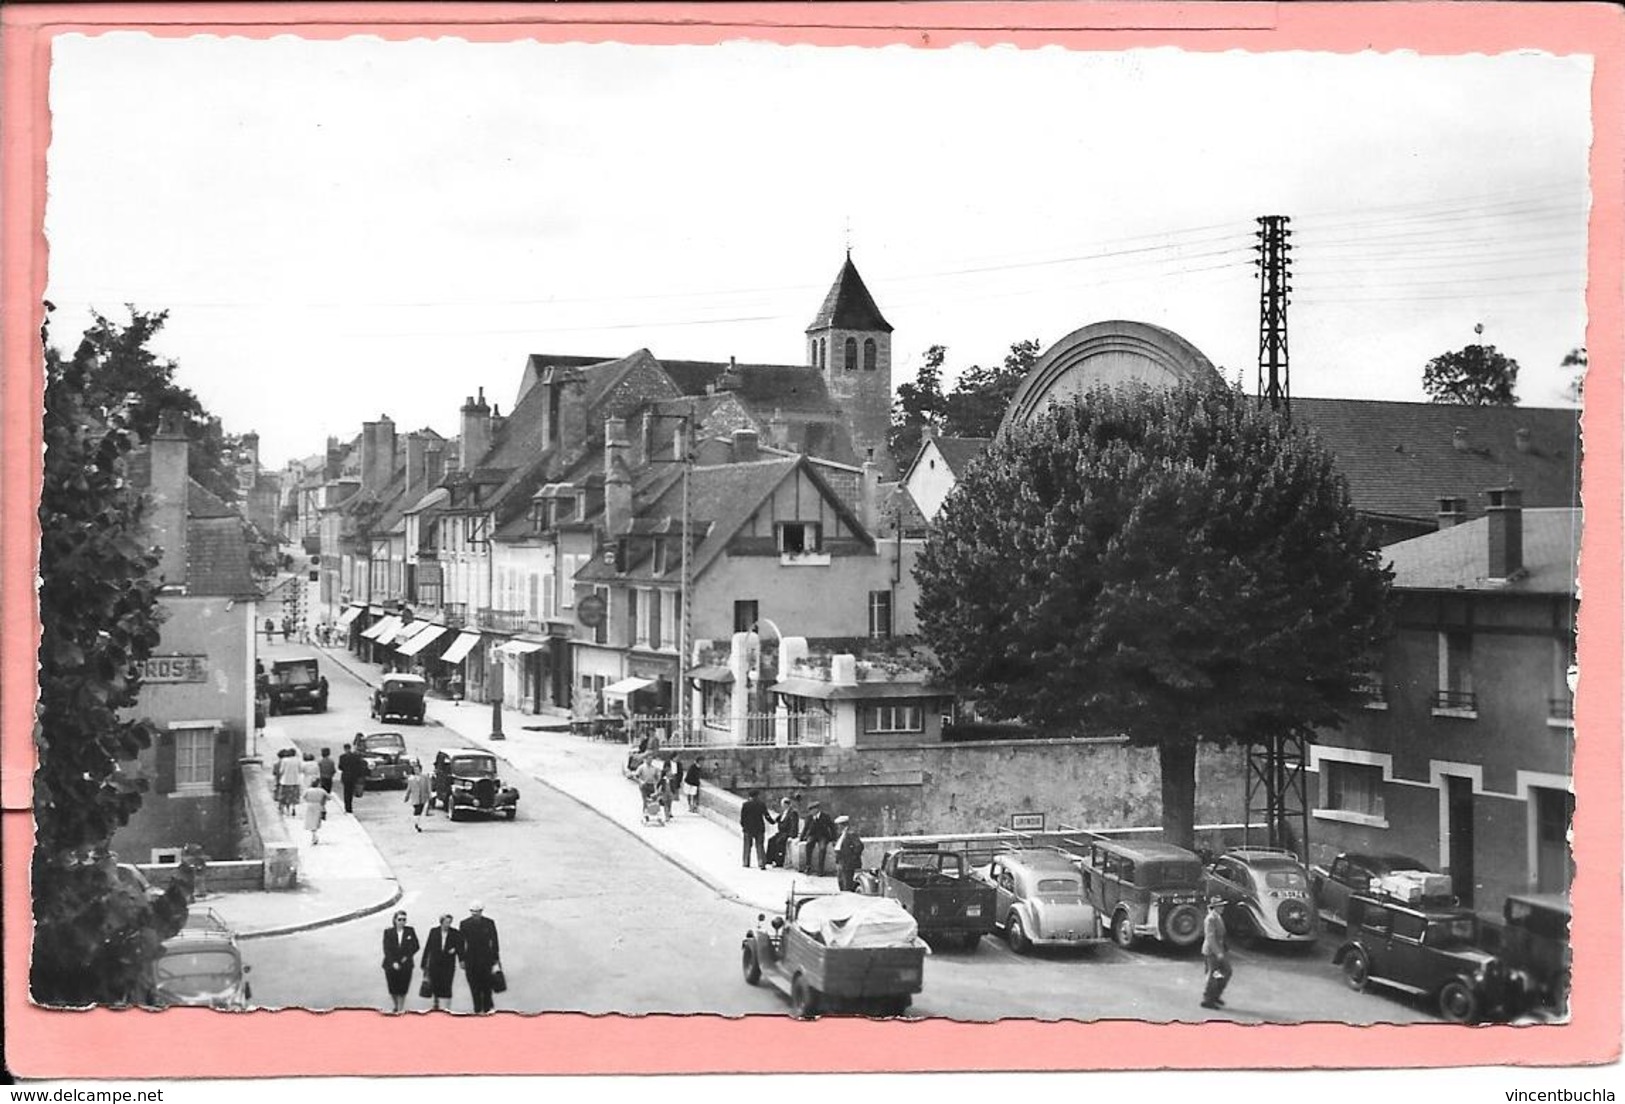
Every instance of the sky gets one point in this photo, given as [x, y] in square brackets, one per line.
[346, 229]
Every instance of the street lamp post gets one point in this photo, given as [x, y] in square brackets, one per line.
[494, 665]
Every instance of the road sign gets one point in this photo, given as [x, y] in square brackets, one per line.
[590, 611]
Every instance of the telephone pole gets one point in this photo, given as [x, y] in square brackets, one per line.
[1274, 263]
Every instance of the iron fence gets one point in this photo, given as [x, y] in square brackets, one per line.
[754, 730]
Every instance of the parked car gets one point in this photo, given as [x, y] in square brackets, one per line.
[1039, 901]
[296, 684]
[1432, 952]
[949, 905]
[835, 951]
[1536, 941]
[1350, 873]
[386, 756]
[400, 696]
[201, 966]
[1148, 890]
[466, 781]
[1266, 895]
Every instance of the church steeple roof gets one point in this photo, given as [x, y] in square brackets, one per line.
[849, 306]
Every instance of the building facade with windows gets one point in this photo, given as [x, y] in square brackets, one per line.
[1462, 757]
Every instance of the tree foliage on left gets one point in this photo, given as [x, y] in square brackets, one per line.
[94, 937]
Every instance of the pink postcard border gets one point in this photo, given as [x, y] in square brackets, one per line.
[105, 1044]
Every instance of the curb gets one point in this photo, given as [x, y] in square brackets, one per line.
[326, 921]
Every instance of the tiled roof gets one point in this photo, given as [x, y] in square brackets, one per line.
[1400, 458]
[849, 306]
[792, 388]
[217, 559]
[896, 509]
[1458, 558]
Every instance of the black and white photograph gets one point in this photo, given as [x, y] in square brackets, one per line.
[810, 531]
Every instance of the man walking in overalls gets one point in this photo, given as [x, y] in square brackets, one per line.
[1215, 954]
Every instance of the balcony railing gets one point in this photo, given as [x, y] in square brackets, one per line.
[500, 620]
[454, 614]
[1455, 700]
[758, 730]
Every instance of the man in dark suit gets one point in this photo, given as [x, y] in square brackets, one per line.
[848, 855]
[352, 769]
[753, 818]
[480, 955]
[819, 832]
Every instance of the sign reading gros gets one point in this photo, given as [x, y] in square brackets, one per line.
[175, 668]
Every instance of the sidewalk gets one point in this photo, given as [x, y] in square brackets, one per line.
[341, 878]
[590, 772]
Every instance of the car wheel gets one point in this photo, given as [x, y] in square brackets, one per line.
[1018, 935]
[510, 813]
[804, 998]
[751, 966]
[455, 813]
[1123, 931]
[1458, 1003]
[1357, 970]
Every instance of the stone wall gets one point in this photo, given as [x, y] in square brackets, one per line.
[951, 788]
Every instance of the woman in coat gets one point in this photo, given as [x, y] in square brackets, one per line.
[440, 953]
[314, 801]
[400, 947]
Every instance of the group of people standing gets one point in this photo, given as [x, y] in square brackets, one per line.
[304, 784]
[473, 943]
[812, 835]
[660, 779]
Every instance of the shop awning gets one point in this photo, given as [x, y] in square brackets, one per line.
[349, 615]
[711, 673]
[459, 649]
[520, 647]
[399, 628]
[389, 624]
[627, 686]
[421, 640]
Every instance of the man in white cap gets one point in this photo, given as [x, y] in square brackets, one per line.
[848, 854]
[480, 955]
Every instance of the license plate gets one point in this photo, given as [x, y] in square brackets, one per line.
[974, 910]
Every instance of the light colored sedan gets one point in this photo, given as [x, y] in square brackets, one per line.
[1040, 901]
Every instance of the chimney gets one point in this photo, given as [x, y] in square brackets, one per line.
[869, 496]
[1458, 440]
[778, 430]
[417, 465]
[335, 460]
[1452, 511]
[476, 426]
[646, 439]
[1521, 441]
[169, 484]
[1505, 515]
[251, 446]
[617, 485]
[377, 453]
[744, 446]
[434, 464]
[497, 421]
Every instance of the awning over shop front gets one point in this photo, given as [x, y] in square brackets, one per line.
[459, 648]
[421, 640]
[520, 647]
[389, 624]
[627, 686]
[399, 628]
[711, 673]
[349, 615]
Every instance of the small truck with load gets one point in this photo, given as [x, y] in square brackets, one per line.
[834, 952]
[951, 907]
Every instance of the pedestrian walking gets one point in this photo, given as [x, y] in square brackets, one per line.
[789, 828]
[417, 795]
[441, 950]
[753, 821]
[315, 803]
[818, 833]
[666, 792]
[289, 780]
[400, 949]
[309, 773]
[326, 768]
[848, 855]
[352, 769]
[691, 786]
[270, 630]
[647, 776]
[1215, 955]
[482, 962]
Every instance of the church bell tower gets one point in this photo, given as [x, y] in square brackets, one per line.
[850, 344]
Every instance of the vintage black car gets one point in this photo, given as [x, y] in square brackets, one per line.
[296, 684]
[201, 967]
[466, 782]
[400, 697]
[1536, 941]
[1266, 896]
[1433, 952]
[1350, 873]
[387, 759]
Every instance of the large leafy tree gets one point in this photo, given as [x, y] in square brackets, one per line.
[1175, 566]
[93, 937]
[1478, 375]
[976, 405]
[918, 405]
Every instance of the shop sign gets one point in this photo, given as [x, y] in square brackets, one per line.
[1026, 822]
[590, 611]
[174, 668]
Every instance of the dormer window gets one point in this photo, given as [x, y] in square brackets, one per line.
[661, 557]
[798, 538]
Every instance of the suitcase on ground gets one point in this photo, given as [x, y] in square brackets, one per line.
[795, 854]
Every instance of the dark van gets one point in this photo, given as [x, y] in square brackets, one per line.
[1145, 890]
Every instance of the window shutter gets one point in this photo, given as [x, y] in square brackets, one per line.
[164, 767]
